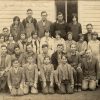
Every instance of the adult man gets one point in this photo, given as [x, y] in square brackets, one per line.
[88, 35]
[90, 67]
[30, 23]
[43, 24]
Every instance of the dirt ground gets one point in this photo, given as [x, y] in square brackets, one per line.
[84, 95]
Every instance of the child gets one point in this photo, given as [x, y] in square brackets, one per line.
[46, 72]
[81, 45]
[22, 42]
[94, 45]
[90, 67]
[47, 40]
[16, 28]
[10, 44]
[5, 64]
[5, 32]
[64, 77]
[2, 41]
[31, 76]
[59, 40]
[74, 60]
[35, 41]
[16, 79]
[69, 42]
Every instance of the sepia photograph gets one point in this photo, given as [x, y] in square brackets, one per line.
[49, 49]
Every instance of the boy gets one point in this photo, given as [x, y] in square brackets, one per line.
[30, 23]
[81, 45]
[64, 77]
[59, 40]
[74, 60]
[47, 40]
[69, 42]
[5, 64]
[31, 76]
[94, 45]
[46, 72]
[43, 24]
[16, 79]
[2, 41]
[90, 67]
[22, 42]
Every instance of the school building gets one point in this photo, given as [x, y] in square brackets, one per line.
[88, 11]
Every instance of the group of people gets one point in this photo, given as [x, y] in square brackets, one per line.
[48, 57]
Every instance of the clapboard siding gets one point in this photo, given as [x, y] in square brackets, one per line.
[89, 12]
[11, 8]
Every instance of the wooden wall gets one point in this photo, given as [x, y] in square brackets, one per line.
[11, 8]
[89, 12]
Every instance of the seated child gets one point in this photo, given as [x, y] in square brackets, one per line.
[16, 79]
[46, 72]
[64, 77]
[31, 76]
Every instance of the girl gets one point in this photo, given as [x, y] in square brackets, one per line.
[10, 44]
[16, 28]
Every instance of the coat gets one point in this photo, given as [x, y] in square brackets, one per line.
[16, 79]
[42, 28]
[7, 62]
[46, 72]
[31, 75]
[55, 60]
[64, 72]
[90, 70]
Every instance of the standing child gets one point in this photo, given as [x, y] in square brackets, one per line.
[31, 76]
[16, 79]
[64, 77]
[46, 72]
